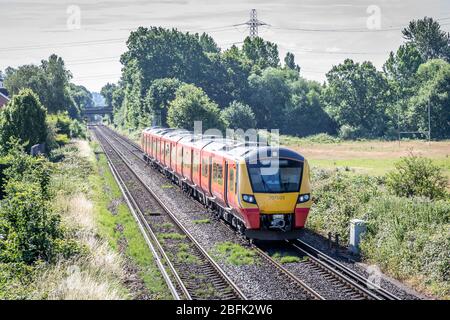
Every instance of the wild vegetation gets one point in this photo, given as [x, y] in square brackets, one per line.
[408, 217]
[250, 87]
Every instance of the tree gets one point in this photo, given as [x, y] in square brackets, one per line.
[305, 114]
[263, 54]
[289, 61]
[49, 80]
[107, 93]
[430, 40]
[402, 66]
[192, 104]
[208, 44]
[82, 99]
[356, 98]
[24, 118]
[433, 87]
[270, 95]
[238, 116]
[159, 95]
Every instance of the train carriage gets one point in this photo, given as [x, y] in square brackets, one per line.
[263, 192]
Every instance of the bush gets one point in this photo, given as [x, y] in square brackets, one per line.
[416, 176]
[28, 225]
[23, 118]
[238, 116]
[409, 238]
[337, 198]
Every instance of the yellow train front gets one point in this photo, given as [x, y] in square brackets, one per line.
[273, 193]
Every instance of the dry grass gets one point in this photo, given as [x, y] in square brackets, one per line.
[96, 276]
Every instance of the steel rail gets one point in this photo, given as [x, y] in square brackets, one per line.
[354, 278]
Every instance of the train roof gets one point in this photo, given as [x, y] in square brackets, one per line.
[234, 149]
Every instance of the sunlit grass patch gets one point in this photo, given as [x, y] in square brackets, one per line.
[235, 253]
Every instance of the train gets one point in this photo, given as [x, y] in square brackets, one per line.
[263, 192]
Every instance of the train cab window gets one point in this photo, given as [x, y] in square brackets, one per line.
[283, 175]
[204, 167]
[231, 180]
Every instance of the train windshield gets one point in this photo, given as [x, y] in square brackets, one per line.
[280, 176]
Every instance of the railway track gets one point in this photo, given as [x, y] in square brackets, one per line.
[348, 282]
[188, 270]
[351, 282]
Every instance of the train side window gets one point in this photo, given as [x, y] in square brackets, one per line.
[167, 150]
[231, 180]
[219, 174]
[204, 167]
[195, 162]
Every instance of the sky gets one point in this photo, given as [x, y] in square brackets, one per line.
[90, 35]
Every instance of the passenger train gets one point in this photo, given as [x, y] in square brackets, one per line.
[263, 192]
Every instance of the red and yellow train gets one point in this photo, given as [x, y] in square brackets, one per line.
[263, 192]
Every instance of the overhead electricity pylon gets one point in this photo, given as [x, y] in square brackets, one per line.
[253, 23]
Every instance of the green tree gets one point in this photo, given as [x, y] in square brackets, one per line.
[305, 114]
[107, 92]
[270, 95]
[24, 118]
[192, 104]
[289, 61]
[356, 98]
[432, 90]
[208, 44]
[430, 40]
[238, 116]
[262, 53]
[159, 95]
[49, 80]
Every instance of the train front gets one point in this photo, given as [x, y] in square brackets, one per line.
[274, 193]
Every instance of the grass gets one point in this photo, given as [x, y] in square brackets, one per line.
[372, 157]
[284, 258]
[97, 273]
[202, 221]
[136, 248]
[235, 254]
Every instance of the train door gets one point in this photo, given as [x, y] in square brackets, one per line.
[218, 181]
[231, 185]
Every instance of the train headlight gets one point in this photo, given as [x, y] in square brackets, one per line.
[248, 198]
[304, 198]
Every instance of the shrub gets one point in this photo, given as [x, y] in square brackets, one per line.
[337, 198]
[28, 225]
[417, 176]
[409, 238]
[23, 118]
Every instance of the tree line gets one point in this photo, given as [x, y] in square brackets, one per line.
[45, 107]
[172, 78]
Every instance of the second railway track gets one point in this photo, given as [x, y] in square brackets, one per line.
[191, 272]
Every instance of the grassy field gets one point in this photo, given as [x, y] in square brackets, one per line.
[370, 157]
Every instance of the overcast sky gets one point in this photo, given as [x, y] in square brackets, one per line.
[311, 29]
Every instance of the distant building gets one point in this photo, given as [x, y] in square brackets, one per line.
[3, 94]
